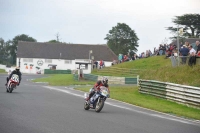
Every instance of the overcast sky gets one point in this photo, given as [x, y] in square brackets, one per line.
[88, 21]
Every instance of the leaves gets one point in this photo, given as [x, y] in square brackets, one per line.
[121, 38]
[8, 49]
[190, 24]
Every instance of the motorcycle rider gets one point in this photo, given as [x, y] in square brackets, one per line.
[16, 71]
[98, 84]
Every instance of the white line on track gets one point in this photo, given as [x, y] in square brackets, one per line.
[122, 107]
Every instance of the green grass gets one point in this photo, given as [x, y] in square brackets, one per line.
[62, 80]
[2, 71]
[160, 69]
[131, 95]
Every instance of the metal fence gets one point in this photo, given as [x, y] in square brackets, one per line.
[187, 95]
[182, 60]
[51, 71]
[111, 79]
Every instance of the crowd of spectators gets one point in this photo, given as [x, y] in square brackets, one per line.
[169, 50]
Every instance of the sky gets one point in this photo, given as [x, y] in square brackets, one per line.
[88, 21]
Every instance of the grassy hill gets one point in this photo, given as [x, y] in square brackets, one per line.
[156, 68]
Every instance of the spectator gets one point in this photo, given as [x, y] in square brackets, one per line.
[134, 57]
[187, 44]
[101, 64]
[164, 49]
[120, 58]
[198, 48]
[184, 52]
[169, 50]
[161, 48]
[150, 53]
[114, 62]
[192, 59]
[96, 64]
[126, 58]
[175, 53]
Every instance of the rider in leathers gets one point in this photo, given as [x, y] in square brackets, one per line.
[16, 71]
[98, 84]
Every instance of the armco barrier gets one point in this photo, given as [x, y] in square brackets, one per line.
[76, 77]
[112, 79]
[90, 77]
[50, 71]
[129, 80]
[187, 95]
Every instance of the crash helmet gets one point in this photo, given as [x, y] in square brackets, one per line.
[17, 68]
[105, 80]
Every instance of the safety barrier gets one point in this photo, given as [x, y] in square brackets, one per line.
[182, 60]
[76, 77]
[90, 77]
[112, 79]
[51, 71]
[187, 95]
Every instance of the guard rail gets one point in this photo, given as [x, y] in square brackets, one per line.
[183, 94]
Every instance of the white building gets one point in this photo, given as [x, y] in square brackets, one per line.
[34, 56]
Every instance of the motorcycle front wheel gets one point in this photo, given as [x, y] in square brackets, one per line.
[99, 105]
[86, 106]
[12, 86]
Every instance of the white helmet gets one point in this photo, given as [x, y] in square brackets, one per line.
[105, 80]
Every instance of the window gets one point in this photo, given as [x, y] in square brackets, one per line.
[68, 61]
[48, 60]
[27, 60]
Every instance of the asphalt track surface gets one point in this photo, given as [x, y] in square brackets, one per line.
[39, 108]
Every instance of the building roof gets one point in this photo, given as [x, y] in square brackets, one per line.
[64, 51]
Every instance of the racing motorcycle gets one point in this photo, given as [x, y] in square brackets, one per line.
[97, 100]
[12, 83]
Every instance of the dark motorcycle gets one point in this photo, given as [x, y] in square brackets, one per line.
[97, 100]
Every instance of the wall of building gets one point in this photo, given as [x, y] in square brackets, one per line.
[31, 65]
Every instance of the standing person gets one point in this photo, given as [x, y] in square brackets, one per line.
[96, 64]
[192, 59]
[101, 64]
[16, 71]
[198, 48]
[161, 49]
[120, 58]
[184, 52]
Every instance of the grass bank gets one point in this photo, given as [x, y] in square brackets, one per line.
[63, 80]
[158, 68]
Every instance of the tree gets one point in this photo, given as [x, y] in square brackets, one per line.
[57, 39]
[5, 57]
[2, 51]
[54, 41]
[190, 24]
[121, 39]
[13, 47]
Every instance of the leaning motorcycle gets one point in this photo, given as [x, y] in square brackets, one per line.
[12, 83]
[97, 100]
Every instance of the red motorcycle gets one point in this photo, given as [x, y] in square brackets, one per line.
[12, 83]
